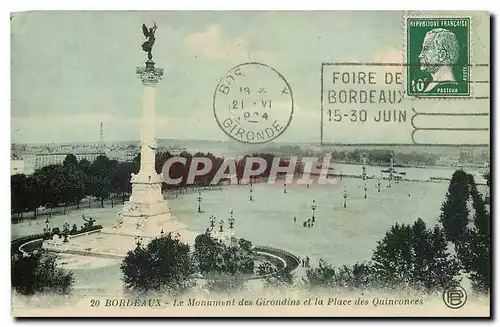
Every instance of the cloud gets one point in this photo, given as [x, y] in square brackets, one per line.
[391, 56]
[211, 44]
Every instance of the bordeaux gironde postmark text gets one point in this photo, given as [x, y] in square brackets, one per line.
[253, 103]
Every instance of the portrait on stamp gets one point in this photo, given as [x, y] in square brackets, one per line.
[438, 57]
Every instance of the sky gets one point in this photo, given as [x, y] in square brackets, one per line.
[72, 70]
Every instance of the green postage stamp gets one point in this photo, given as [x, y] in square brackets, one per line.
[438, 57]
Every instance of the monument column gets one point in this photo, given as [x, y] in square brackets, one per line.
[149, 77]
[147, 199]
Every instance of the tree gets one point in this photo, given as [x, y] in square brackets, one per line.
[78, 186]
[84, 166]
[245, 245]
[321, 276]
[102, 166]
[33, 194]
[64, 185]
[19, 194]
[274, 277]
[472, 243]
[225, 267]
[205, 253]
[39, 273]
[120, 178]
[72, 184]
[415, 257]
[357, 277]
[50, 185]
[100, 177]
[213, 257]
[100, 188]
[160, 159]
[165, 264]
[70, 161]
[476, 256]
[454, 212]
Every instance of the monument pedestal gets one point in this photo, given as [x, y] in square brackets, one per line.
[224, 236]
[146, 199]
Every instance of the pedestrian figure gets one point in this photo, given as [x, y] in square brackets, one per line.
[307, 261]
[304, 224]
[294, 219]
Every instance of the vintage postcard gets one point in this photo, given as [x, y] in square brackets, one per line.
[250, 164]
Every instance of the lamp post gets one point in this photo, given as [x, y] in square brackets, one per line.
[345, 197]
[212, 221]
[365, 188]
[199, 201]
[251, 190]
[313, 207]
[391, 169]
[231, 220]
[284, 187]
[365, 157]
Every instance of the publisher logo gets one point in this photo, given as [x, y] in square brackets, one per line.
[454, 297]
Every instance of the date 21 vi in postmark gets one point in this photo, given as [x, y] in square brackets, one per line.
[438, 57]
[253, 103]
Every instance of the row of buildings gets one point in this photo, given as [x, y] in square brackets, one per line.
[26, 159]
[27, 164]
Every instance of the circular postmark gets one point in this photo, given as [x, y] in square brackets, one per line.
[455, 297]
[253, 103]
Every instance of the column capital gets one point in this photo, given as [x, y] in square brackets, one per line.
[149, 74]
